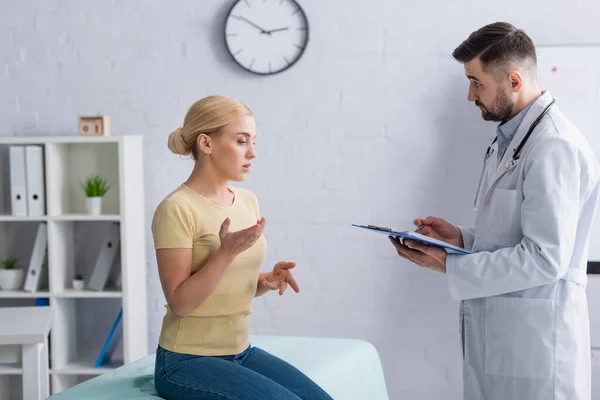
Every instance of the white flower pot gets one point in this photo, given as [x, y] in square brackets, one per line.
[78, 284]
[12, 279]
[94, 205]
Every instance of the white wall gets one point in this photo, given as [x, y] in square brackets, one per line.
[371, 126]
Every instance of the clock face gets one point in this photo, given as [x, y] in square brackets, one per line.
[266, 36]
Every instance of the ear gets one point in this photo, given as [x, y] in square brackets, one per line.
[204, 143]
[516, 81]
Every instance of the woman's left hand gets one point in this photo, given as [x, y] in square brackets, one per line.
[279, 278]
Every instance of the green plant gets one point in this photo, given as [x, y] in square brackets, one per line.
[9, 263]
[95, 186]
[78, 277]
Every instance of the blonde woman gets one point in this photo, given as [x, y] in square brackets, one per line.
[209, 248]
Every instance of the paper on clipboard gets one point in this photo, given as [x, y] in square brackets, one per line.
[415, 236]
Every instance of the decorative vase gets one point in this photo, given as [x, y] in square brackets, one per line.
[78, 284]
[12, 279]
[94, 205]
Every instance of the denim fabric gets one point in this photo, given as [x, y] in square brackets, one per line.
[252, 374]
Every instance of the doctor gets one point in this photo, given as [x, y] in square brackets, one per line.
[523, 314]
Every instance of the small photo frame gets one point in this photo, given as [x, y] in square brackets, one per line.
[94, 125]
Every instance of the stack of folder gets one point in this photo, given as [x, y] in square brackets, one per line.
[27, 180]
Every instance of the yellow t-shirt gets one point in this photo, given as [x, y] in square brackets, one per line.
[219, 326]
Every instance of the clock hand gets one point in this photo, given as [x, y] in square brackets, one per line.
[277, 30]
[253, 24]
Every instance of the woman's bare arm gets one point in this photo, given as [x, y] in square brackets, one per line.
[183, 290]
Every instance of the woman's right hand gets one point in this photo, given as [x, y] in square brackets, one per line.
[440, 229]
[234, 243]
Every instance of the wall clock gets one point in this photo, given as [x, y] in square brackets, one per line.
[266, 37]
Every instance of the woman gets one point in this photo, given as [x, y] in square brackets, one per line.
[209, 248]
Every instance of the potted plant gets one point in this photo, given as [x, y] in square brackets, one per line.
[94, 187]
[12, 276]
[78, 282]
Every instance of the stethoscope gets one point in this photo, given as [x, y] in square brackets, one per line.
[517, 152]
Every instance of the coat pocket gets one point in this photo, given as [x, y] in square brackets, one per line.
[519, 337]
[504, 222]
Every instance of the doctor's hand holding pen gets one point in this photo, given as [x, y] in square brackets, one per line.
[424, 255]
[440, 229]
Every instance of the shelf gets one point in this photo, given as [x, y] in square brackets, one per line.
[69, 165]
[89, 294]
[82, 319]
[11, 369]
[85, 217]
[13, 218]
[21, 294]
[85, 368]
[67, 293]
[10, 140]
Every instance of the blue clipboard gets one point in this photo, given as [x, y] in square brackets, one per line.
[415, 236]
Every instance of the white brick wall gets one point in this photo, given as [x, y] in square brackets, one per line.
[371, 126]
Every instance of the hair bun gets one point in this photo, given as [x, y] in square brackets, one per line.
[177, 143]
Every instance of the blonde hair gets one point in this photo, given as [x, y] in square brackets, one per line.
[207, 116]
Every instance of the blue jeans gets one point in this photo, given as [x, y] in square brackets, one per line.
[252, 374]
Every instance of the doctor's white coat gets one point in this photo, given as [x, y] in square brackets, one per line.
[523, 314]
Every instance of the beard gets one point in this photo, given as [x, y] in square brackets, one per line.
[500, 110]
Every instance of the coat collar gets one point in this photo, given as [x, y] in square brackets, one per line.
[535, 110]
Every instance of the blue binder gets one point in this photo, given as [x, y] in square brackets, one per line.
[415, 236]
[111, 342]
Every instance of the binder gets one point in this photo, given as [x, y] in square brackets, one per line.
[5, 177]
[106, 257]
[18, 183]
[34, 167]
[111, 342]
[34, 271]
[115, 277]
[416, 237]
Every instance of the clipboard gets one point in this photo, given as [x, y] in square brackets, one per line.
[415, 236]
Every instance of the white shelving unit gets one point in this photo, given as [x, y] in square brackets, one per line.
[82, 318]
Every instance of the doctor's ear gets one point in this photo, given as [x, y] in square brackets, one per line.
[516, 81]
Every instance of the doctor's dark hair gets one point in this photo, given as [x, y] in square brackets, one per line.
[499, 46]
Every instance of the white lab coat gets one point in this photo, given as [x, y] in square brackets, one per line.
[523, 313]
